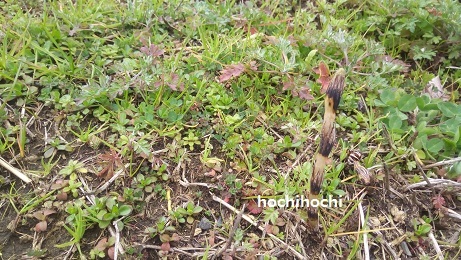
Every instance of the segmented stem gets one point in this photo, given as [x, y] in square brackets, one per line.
[327, 141]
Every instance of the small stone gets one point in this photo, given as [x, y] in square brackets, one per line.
[205, 224]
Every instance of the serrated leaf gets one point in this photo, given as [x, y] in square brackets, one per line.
[271, 214]
[231, 71]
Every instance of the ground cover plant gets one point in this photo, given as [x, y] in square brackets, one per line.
[150, 129]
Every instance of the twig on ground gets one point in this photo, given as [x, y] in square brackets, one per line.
[106, 185]
[290, 249]
[453, 214]
[184, 182]
[117, 237]
[231, 233]
[445, 162]
[366, 249]
[89, 194]
[436, 183]
[14, 171]
[436, 246]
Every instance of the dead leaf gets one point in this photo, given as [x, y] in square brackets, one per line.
[211, 239]
[253, 208]
[438, 201]
[165, 247]
[390, 59]
[153, 50]
[41, 226]
[112, 160]
[102, 244]
[435, 89]
[324, 73]
[58, 184]
[231, 71]
[175, 237]
[173, 83]
[111, 252]
[253, 65]
[288, 83]
[62, 196]
[305, 93]
[39, 215]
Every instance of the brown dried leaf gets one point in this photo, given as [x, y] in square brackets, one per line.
[165, 238]
[41, 226]
[111, 252]
[58, 184]
[253, 208]
[153, 50]
[211, 239]
[305, 93]
[175, 237]
[39, 215]
[435, 89]
[47, 212]
[231, 71]
[253, 65]
[102, 244]
[165, 247]
[438, 201]
[324, 78]
[111, 160]
[62, 196]
[288, 83]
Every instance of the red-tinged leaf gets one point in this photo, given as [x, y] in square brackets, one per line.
[111, 252]
[165, 247]
[253, 208]
[231, 71]
[41, 226]
[324, 73]
[305, 93]
[253, 65]
[433, 11]
[226, 196]
[211, 239]
[62, 196]
[438, 201]
[288, 84]
[102, 244]
[173, 82]
[111, 161]
[153, 50]
[47, 212]
[253, 30]
[268, 228]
